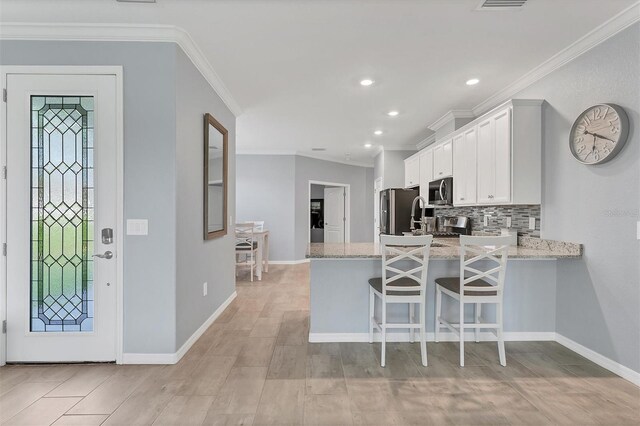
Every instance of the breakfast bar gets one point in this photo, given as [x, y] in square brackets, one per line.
[339, 293]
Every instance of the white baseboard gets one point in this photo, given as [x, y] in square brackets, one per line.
[604, 362]
[288, 262]
[173, 358]
[444, 337]
[134, 358]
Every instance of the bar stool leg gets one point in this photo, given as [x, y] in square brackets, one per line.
[372, 313]
[423, 338]
[384, 334]
[412, 315]
[501, 352]
[478, 313]
[461, 329]
[438, 312]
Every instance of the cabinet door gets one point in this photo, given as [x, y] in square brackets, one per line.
[447, 158]
[411, 172]
[459, 169]
[437, 162]
[502, 157]
[470, 165]
[486, 159]
[426, 172]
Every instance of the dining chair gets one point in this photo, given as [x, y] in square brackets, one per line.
[405, 263]
[246, 246]
[483, 265]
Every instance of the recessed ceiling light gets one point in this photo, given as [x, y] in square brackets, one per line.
[472, 81]
[366, 82]
[367, 145]
[392, 113]
[377, 132]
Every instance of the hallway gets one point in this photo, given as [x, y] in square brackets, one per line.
[254, 366]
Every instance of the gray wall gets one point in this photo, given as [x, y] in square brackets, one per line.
[149, 174]
[393, 169]
[265, 191]
[340, 302]
[158, 280]
[317, 192]
[361, 181]
[197, 260]
[598, 297]
[275, 188]
[378, 165]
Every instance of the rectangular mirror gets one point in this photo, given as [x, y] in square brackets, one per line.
[215, 178]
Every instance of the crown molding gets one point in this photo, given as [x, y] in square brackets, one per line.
[302, 154]
[124, 32]
[608, 29]
[451, 115]
[334, 160]
[426, 141]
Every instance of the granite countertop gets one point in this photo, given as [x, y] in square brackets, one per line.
[449, 249]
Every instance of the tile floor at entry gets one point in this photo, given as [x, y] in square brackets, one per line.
[254, 366]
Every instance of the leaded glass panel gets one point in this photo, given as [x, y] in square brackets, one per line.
[62, 213]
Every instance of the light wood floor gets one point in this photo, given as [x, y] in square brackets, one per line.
[254, 366]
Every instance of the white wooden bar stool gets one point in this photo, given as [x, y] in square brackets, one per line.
[480, 284]
[405, 263]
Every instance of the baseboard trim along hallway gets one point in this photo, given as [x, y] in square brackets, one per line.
[601, 360]
[173, 358]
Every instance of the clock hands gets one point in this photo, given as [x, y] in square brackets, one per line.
[595, 135]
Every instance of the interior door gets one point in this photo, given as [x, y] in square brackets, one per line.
[334, 215]
[62, 198]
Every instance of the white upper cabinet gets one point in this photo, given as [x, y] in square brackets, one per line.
[510, 154]
[443, 160]
[426, 172]
[495, 159]
[412, 171]
[464, 163]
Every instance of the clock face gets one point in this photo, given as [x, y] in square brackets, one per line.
[599, 133]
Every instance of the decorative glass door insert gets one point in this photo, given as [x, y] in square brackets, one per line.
[62, 213]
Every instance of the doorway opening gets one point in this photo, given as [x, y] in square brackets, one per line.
[329, 213]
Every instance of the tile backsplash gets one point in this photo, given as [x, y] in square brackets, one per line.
[498, 217]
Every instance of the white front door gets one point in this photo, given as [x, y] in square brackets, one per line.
[61, 213]
[334, 215]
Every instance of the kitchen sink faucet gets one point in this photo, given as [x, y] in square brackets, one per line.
[422, 221]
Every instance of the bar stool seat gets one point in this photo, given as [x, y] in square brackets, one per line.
[453, 284]
[376, 284]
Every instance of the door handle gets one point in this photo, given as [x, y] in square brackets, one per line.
[107, 255]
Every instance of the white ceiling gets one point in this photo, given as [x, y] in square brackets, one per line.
[293, 66]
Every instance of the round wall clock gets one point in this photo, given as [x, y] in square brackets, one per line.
[599, 133]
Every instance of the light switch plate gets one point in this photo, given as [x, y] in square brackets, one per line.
[508, 221]
[486, 219]
[205, 290]
[532, 223]
[638, 231]
[137, 227]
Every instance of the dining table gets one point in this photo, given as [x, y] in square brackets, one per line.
[262, 254]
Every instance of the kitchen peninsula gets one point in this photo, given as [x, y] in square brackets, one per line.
[339, 292]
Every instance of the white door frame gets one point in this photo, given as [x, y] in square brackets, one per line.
[376, 205]
[68, 70]
[347, 208]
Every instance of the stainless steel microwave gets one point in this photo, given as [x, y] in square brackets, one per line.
[441, 192]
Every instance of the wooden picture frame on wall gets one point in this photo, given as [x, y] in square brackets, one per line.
[216, 159]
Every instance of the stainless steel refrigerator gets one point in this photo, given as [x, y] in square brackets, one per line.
[395, 210]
